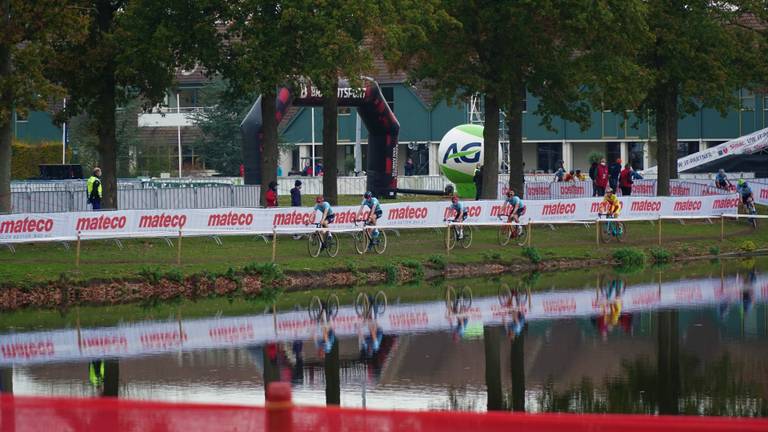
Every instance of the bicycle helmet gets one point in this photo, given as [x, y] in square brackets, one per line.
[367, 194]
[510, 193]
[319, 199]
[608, 190]
[741, 182]
[455, 198]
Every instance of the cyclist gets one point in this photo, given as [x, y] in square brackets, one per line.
[461, 213]
[745, 192]
[721, 180]
[611, 203]
[374, 213]
[513, 208]
[324, 207]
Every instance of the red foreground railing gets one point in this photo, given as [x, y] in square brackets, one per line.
[108, 414]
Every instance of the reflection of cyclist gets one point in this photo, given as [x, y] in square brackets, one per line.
[370, 342]
[461, 213]
[610, 309]
[611, 203]
[326, 338]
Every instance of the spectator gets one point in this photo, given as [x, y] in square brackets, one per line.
[279, 171]
[478, 179]
[296, 200]
[271, 196]
[560, 173]
[601, 178]
[614, 171]
[318, 168]
[242, 170]
[94, 189]
[593, 177]
[409, 168]
[579, 176]
[625, 180]
[307, 171]
[570, 176]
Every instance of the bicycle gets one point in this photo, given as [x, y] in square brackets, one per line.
[612, 229]
[750, 208]
[510, 232]
[364, 240]
[513, 299]
[370, 306]
[454, 237]
[323, 311]
[458, 301]
[319, 240]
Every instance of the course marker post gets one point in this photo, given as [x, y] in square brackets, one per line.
[722, 227]
[597, 231]
[274, 243]
[530, 232]
[178, 251]
[659, 230]
[448, 239]
[77, 252]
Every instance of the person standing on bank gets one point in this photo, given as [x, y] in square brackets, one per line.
[296, 194]
[625, 180]
[94, 189]
[478, 179]
[601, 178]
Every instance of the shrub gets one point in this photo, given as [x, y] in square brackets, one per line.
[269, 272]
[532, 254]
[26, 157]
[629, 257]
[748, 246]
[150, 275]
[660, 255]
[714, 250]
[595, 156]
[438, 261]
[174, 275]
[391, 273]
[417, 270]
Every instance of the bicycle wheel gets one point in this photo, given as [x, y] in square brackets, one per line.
[380, 242]
[450, 298]
[466, 241]
[505, 234]
[315, 308]
[451, 241]
[332, 306]
[505, 295]
[465, 298]
[332, 246]
[619, 231]
[521, 236]
[379, 303]
[361, 242]
[362, 305]
[605, 232]
[314, 245]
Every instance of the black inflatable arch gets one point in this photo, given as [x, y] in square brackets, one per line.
[383, 129]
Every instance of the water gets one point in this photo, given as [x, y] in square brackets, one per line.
[674, 341]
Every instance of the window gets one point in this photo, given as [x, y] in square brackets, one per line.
[389, 96]
[612, 152]
[419, 155]
[747, 100]
[685, 148]
[636, 154]
[188, 98]
[21, 117]
[345, 111]
[549, 156]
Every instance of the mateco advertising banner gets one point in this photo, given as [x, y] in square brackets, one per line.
[241, 221]
[174, 336]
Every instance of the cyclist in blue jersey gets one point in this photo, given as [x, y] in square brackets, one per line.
[327, 217]
[513, 208]
[461, 213]
[721, 180]
[745, 192]
[375, 211]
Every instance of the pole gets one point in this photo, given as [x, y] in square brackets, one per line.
[64, 137]
[659, 230]
[530, 232]
[178, 128]
[448, 239]
[597, 231]
[77, 252]
[312, 164]
[274, 244]
[358, 146]
[178, 253]
[722, 227]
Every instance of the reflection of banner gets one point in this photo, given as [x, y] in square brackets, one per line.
[160, 223]
[159, 337]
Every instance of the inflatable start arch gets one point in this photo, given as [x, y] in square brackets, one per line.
[383, 129]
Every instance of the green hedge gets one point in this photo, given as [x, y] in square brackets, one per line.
[25, 158]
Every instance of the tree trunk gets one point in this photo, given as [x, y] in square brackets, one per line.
[668, 362]
[6, 133]
[515, 133]
[330, 129]
[104, 114]
[269, 151]
[666, 135]
[490, 149]
[6, 130]
[492, 342]
[517, 363]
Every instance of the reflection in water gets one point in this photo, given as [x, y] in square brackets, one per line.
[694, 347]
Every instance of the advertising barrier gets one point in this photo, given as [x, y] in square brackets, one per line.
[233, 221]
[171, 336]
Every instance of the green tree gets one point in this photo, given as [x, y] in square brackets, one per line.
[29, 30]
[703, 53]
[133, 49]
[568, 54]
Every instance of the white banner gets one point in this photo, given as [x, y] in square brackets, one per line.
[174, 336]
[168, 223]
